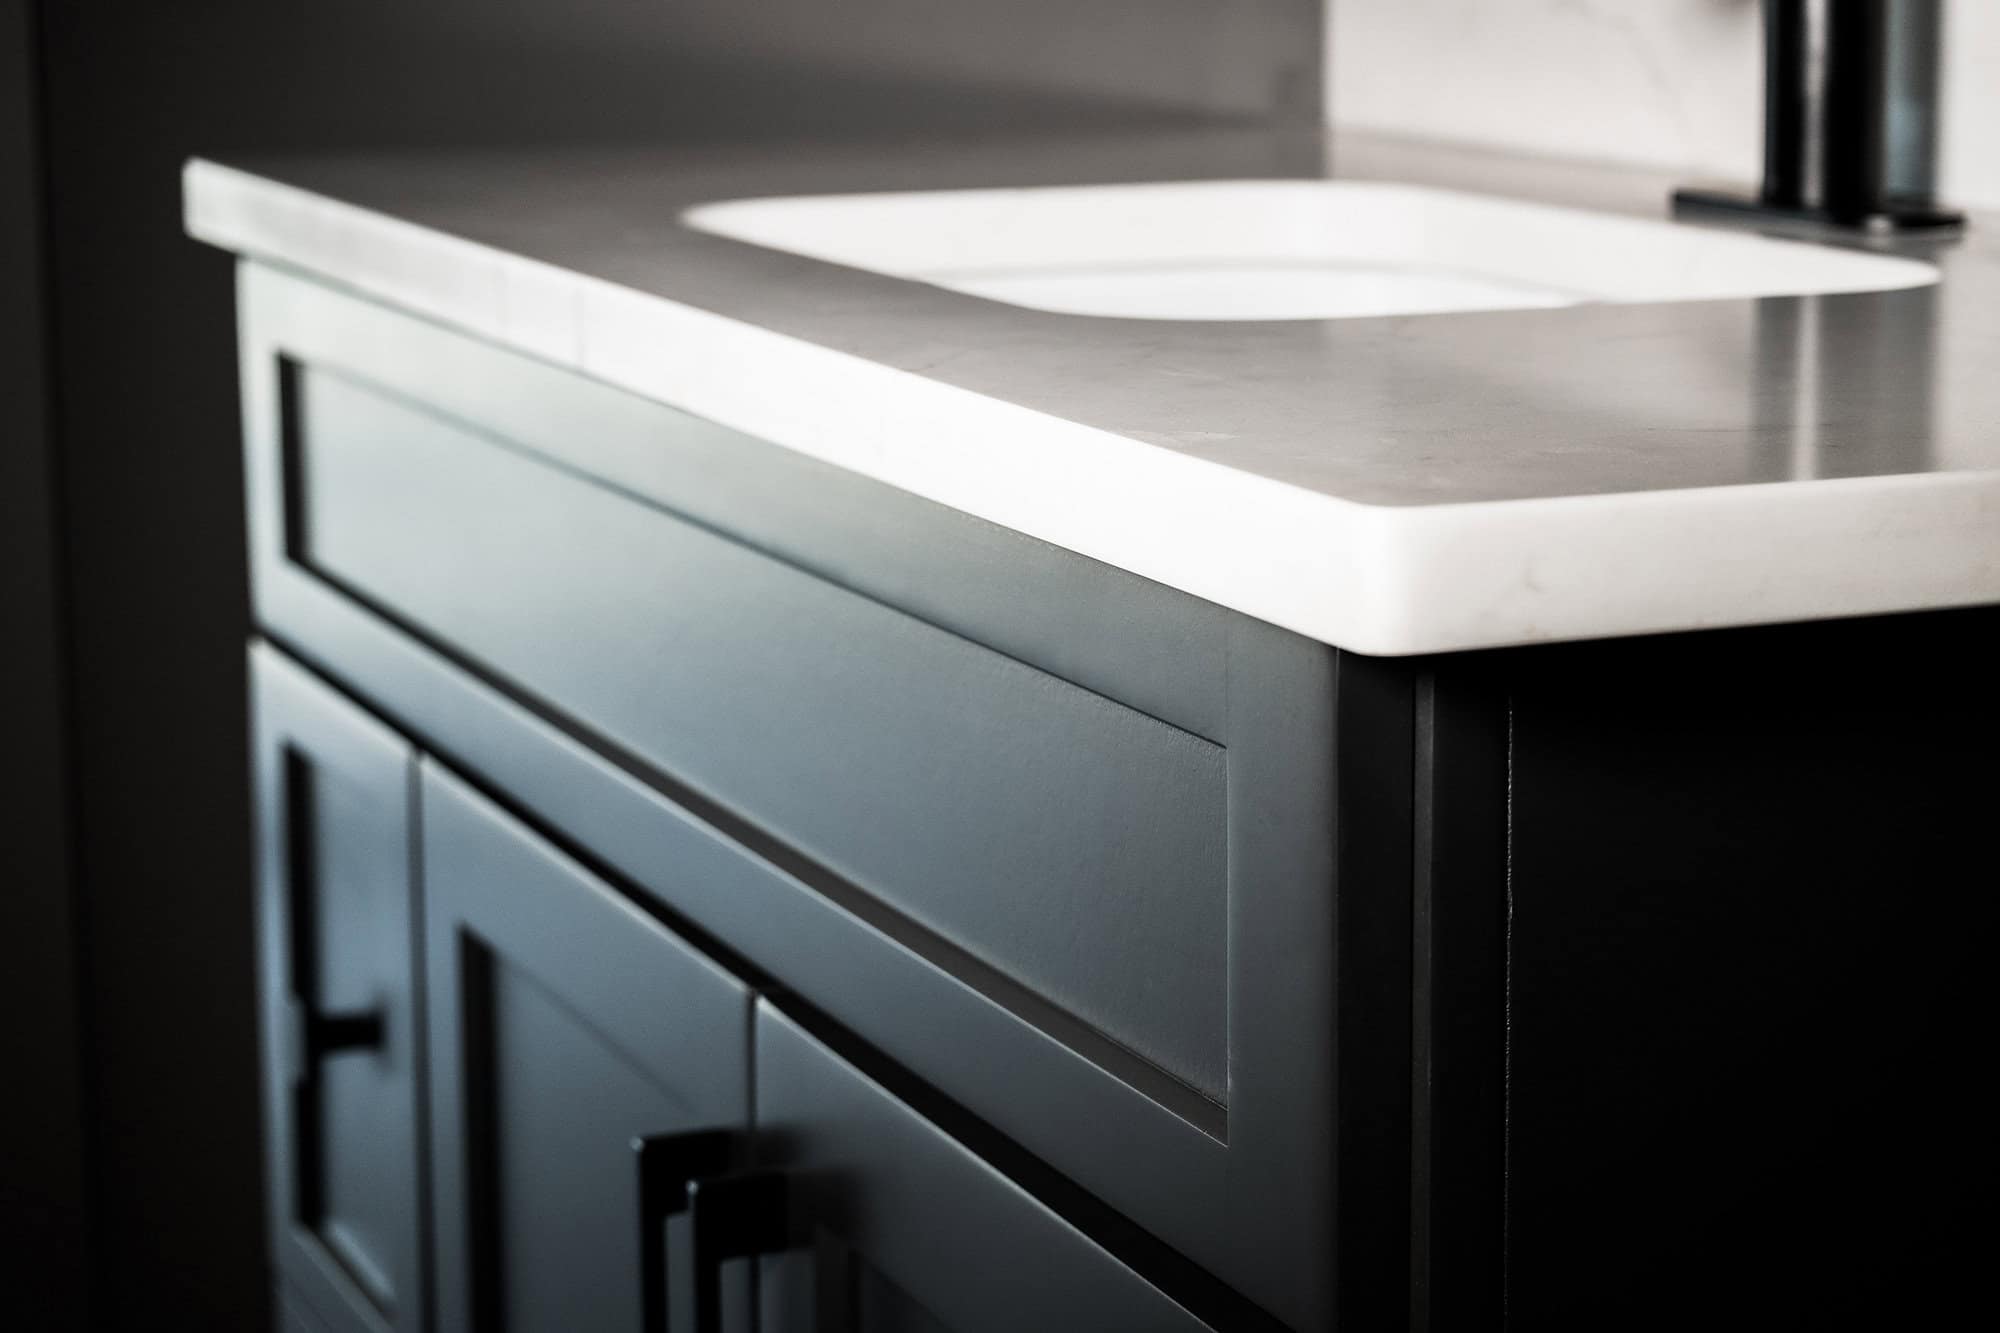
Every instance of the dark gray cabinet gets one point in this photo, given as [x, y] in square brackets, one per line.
[1119, 878]
[336, 897]
[799, 907]
[1122, 875]
[568, 1031]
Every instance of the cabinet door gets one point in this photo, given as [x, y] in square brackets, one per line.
[341, 1064]
[572, 1035]
[867, 1218]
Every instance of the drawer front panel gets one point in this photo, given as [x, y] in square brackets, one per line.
[1072, 844]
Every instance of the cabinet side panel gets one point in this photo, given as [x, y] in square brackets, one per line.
[1752, 919]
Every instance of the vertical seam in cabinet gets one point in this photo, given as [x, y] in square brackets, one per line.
[299, 896]
[1507, 1035]
[752, 999]
[419, 1020]
[1423, 830]
[288, 380]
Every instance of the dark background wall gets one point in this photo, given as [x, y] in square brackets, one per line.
[41, 1139]
[127, 1001]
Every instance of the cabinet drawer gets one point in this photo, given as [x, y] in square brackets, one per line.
[889, 1224]
[989, 807]
[1122, 874]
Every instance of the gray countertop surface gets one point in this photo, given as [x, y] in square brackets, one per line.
[1418, 411]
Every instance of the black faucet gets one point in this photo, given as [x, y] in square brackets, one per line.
[1850, 117]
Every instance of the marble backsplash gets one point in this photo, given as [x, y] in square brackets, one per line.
[1660, 83]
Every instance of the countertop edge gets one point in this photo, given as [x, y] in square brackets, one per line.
[1379, 580]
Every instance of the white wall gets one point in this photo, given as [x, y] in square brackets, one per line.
[1662, 83]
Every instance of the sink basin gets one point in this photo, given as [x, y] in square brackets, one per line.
[1286, 249]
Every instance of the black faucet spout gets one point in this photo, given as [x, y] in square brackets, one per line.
[1851, 112]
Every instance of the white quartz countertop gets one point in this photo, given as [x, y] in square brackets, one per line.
[1393, 485]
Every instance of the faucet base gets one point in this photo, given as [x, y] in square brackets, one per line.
[1895, 217]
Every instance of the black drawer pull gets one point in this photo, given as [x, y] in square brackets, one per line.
[733, 1217]
[669, 1164]
[314, 1037]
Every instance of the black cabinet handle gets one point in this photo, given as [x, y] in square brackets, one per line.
[312, 1037]
[669, 1164]
[733, 1217]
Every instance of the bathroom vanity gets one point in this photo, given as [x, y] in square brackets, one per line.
[800, 797]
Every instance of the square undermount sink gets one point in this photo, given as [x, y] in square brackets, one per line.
[1287, 249]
